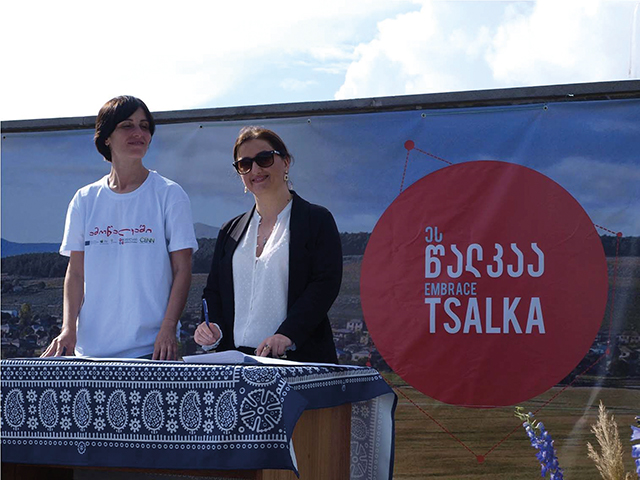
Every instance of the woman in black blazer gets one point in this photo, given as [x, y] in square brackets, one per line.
[276, 269]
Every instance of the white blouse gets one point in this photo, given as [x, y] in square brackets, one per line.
[261, 284]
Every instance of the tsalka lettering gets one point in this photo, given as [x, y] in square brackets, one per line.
[465, 320]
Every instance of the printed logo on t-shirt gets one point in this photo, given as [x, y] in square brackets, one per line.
[102, 241]
[110, 235]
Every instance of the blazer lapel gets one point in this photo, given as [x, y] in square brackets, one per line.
[226, 266]
[237, 232]
[298, 239]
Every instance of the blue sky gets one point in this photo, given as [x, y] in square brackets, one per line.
[352, 164]
[67, 58]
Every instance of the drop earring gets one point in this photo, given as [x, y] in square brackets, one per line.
[245, 189]
[286, 176]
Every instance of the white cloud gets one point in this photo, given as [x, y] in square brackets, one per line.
[609, 192]
[66, 58]
[561, 42]
[73, 56]
[449, 46]
[597, 181]
[332, 52]
[297, 85]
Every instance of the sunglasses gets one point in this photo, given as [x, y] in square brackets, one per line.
[263, 159]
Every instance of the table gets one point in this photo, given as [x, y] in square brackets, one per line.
[180, 416]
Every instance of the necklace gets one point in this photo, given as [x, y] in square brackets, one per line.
[266, 237]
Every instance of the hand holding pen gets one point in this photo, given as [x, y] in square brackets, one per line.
[207, 333]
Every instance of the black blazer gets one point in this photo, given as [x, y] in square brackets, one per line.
[315, 275]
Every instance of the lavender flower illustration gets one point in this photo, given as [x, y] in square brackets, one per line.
[635, 449]
[541, 440]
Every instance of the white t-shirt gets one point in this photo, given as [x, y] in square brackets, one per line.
[261, 284]
[126, 239]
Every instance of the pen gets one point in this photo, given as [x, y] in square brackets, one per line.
[206, 311]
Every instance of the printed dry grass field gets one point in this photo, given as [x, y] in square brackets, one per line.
[424, 450]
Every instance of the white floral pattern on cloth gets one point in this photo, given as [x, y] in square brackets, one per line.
[150, 413]
[258, 376]
[362, 425]
[226, 413]
[14, 412]
[371, 428]
[159, 402]
[261, 410]
[359, 461]
[82, 409]
[117, 410]
[48, 409]
[190, 415]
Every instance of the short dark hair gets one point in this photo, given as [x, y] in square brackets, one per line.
[253, 132]
[111, 114]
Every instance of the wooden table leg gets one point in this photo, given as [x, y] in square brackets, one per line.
[322, 442]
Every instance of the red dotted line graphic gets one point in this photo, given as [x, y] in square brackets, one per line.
[553, 397]
[617, 234]
[410, 145]
[482, 458]
[444, 429]
[613, 285]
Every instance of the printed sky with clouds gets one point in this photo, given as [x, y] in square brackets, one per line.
[198, 56]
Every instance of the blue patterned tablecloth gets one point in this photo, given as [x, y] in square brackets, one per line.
[174, 415]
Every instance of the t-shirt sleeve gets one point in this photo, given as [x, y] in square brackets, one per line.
[179, 224]
[73, 237]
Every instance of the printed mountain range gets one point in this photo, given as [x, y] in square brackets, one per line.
[10, 249]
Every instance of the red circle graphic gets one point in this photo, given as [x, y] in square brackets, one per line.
[484, 284]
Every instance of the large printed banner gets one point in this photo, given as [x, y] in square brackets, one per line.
[489, 267]
[484, 282]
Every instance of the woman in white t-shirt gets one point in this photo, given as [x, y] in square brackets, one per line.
[129, 237]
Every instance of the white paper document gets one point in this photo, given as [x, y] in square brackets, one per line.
[235, 357]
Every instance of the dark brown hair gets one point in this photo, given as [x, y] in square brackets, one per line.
[111, 114]
[254, 132]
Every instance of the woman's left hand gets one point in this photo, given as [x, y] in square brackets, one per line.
[166, 344]
[274, 346]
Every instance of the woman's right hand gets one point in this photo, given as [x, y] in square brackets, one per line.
[63, 344]
[207, 334]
